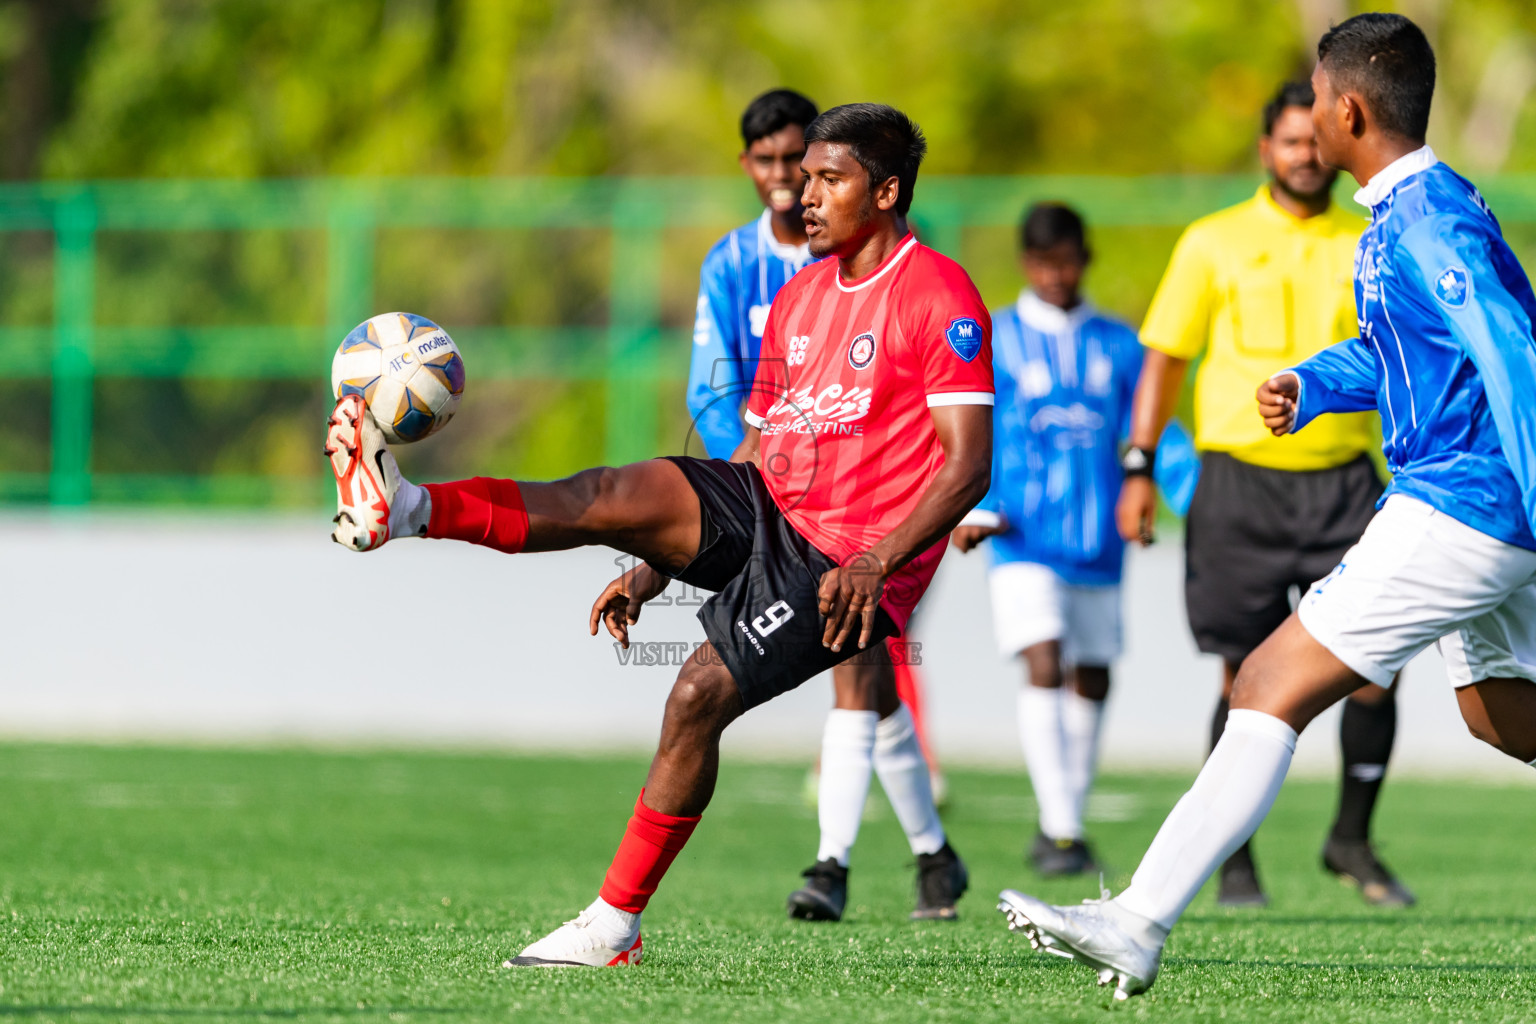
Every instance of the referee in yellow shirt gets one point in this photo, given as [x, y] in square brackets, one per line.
[1259, 287]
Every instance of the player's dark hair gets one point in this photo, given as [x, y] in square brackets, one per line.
[1386, 59]
[885, 142]
[1291, 94]
[773, 110]
[1047, 225]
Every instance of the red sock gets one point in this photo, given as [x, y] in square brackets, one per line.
[650, 844]
[909, 689]
[481, 511]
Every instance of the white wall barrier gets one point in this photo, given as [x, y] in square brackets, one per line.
[234, 628]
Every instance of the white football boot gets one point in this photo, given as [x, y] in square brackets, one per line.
[596, 938]
[366, 475]
[1124, 948]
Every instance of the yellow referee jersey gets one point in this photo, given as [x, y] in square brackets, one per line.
[1258, 290]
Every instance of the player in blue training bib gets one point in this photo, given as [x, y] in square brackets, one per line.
[1446, 354]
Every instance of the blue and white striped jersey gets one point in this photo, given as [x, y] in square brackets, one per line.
[1445, 350]
[1064, 381]
[740, 277]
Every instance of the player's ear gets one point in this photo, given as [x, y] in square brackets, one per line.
[888, 193]
[1352, 114]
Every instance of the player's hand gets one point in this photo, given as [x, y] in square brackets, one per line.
[1277, 403]
[966, 538]
[1137, 510]
[618, 606]
[848, 597]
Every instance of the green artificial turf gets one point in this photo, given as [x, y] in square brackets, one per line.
[215, 885]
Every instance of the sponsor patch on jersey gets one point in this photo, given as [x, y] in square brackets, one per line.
[964, 336]
[1451, 287]
[861, 352]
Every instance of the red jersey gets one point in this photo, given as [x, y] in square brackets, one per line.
[845, 378]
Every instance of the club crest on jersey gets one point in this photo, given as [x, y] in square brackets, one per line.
[861, 352]
[964, 336]
[1451, 287]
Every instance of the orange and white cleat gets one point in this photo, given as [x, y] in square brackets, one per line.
[598, 937]
[366, 475]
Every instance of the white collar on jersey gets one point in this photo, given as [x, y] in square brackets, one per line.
[890, 261]
[1049, 319]
[1389, 177]
[783, 250]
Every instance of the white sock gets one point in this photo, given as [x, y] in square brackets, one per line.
[1080, 720]
[1040, 732]
[615, 927]
[1230, 797]
[411, 511]
[847, 761]
[1532, 763]
[903, 775]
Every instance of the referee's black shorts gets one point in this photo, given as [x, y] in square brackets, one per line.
[1253, 533]
[764, 621]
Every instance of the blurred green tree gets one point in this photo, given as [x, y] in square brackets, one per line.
[279, 88]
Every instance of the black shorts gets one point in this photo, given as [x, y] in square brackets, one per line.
[1254, 533]
[764, 619]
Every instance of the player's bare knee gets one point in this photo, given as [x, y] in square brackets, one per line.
[1257, 687]
[704, 698]
[865, 682]
[1242, 690]
[1371, 695]
[1091, 681]
[1521, 748]
[608, 491]
[1042, 664]
[1487, 735]
[582, 498]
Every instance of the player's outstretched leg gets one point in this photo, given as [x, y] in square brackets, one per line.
[1502, 713]
[646, 509]
[1283, 685]
[703, 701]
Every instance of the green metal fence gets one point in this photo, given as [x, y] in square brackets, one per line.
[76, 351]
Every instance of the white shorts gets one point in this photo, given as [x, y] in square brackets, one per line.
[1031, 604]
[1418, 576]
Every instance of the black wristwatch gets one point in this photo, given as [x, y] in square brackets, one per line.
[1138, 461]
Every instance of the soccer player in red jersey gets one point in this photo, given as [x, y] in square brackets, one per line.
[870, 436]
[876, 724]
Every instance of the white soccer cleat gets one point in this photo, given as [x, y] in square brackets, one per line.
[582, 943]
[366, 475]
[1123, 948]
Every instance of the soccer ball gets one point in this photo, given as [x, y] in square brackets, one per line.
[408, 371]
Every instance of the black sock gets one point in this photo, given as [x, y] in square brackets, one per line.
[1219, 722]
[1365, 737]
[1244, 853]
